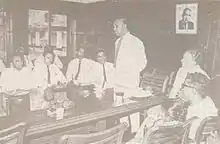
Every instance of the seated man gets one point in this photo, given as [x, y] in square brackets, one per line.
[201, 105]
[15, 81]
[80, 69]
[16, 77]
[190, 64]
[47, 75]
[104, 76]
[44, 47]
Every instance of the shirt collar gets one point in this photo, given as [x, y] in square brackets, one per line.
[127, 34]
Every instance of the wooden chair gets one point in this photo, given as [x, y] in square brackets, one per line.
[207, 126]
[13, 134]
[155, 79]
[173, 134]
[110, 136]
[165, 85]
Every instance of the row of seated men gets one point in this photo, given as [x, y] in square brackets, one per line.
[82, 71]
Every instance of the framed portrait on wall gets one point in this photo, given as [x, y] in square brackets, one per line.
[186, 18]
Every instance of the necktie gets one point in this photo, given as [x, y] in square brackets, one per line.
[117, 50]
[48, 75]
[104, 75]
[78, 71]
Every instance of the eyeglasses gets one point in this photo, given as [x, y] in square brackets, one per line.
[187, 15]
[185, 85]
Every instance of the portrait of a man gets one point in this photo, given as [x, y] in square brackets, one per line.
[185, 22]
[186, 18]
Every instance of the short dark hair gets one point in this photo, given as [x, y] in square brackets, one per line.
[184, 11]
[100, 50]
[80, 48]
[18, 54]
[124, 20]
[49, 51]
[199, 81]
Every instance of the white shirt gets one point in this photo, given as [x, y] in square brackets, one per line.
[201, 110]
[2, 66]
[40, 73]
[13, 79]
[99, 75]
[130, 61]
[181, 76]
[86, 75]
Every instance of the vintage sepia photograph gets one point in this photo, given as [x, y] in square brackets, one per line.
[186, 18]
[109, 72]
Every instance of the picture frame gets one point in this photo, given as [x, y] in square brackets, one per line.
[186, 18]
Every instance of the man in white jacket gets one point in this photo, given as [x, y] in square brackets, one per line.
[130, 57]
[130, 60]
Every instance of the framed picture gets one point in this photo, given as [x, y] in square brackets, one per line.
[186, 18]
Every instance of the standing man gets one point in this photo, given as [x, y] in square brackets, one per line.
[130, 57]
[130, 60]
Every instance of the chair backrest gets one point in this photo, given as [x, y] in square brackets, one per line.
[207, 126]
[165, 85]
[13, 135]
[172, 134]
[155, 80]
[109, 136]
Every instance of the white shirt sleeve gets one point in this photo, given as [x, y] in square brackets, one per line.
[142, 59]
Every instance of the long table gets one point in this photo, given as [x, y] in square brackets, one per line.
[41, 126]
[80, 120]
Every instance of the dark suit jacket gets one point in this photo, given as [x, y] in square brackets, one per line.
[182, 25]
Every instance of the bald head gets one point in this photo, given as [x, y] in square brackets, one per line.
[120, 27]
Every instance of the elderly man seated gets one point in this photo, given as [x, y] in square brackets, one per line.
[17, 80]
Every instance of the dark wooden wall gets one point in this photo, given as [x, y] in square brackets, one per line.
[152, 21]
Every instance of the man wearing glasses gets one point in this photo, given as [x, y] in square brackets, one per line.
[194, 91]
[186, 23]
